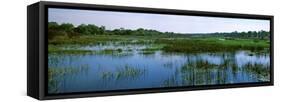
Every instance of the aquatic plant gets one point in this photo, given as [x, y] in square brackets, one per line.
[261, 71]
[170, 82]
[126, 72]
[198, 64]
[210, 45]
[56, 74]
[147, 52]
[55, 49]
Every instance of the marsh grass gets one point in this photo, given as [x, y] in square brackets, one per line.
[155, 47]
[211, 45]
[75, 52]
[261, 71]
[59, 49]
[67, 49]
[173, 44]
[170, 82]
[202, 69]
[55, 75]
[199, 64]
[110, 51]
[83, 40]
[147, 52]
[126, 72]
[198, 72]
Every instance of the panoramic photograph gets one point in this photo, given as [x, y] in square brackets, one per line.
[93, 51]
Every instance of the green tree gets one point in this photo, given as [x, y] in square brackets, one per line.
[67, 27]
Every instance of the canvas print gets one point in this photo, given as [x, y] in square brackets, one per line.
[94, 51]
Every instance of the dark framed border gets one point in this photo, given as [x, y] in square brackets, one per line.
[43, 76]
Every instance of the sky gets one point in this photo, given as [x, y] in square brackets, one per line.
[161, 22]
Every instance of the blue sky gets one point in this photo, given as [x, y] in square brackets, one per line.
[160, 22]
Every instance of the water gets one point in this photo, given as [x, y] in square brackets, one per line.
[132, 69]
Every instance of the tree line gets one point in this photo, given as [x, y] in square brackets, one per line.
[250, 34]
[69, 30]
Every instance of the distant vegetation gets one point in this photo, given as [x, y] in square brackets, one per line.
[69, 30]
[66, 33]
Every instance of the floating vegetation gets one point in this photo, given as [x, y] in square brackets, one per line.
[151, 48]
[78, 51]
[114, 53]
[199, 64]
[52, 49]
[84, 40]
[147, 52]
[109, 51]
[258, 53]
[75, 52]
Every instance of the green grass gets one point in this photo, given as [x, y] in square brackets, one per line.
[83, 40]
[59, 50]
[147, 52]
[211, 45]
[153, 47]
[101, 39]
[110, 51]
[167, 44]
[73, 50]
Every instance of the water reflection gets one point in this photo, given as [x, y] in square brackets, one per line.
[139, 69]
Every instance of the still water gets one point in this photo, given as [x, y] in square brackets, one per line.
[133, 69]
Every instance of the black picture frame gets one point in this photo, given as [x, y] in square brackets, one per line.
[37, 69]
